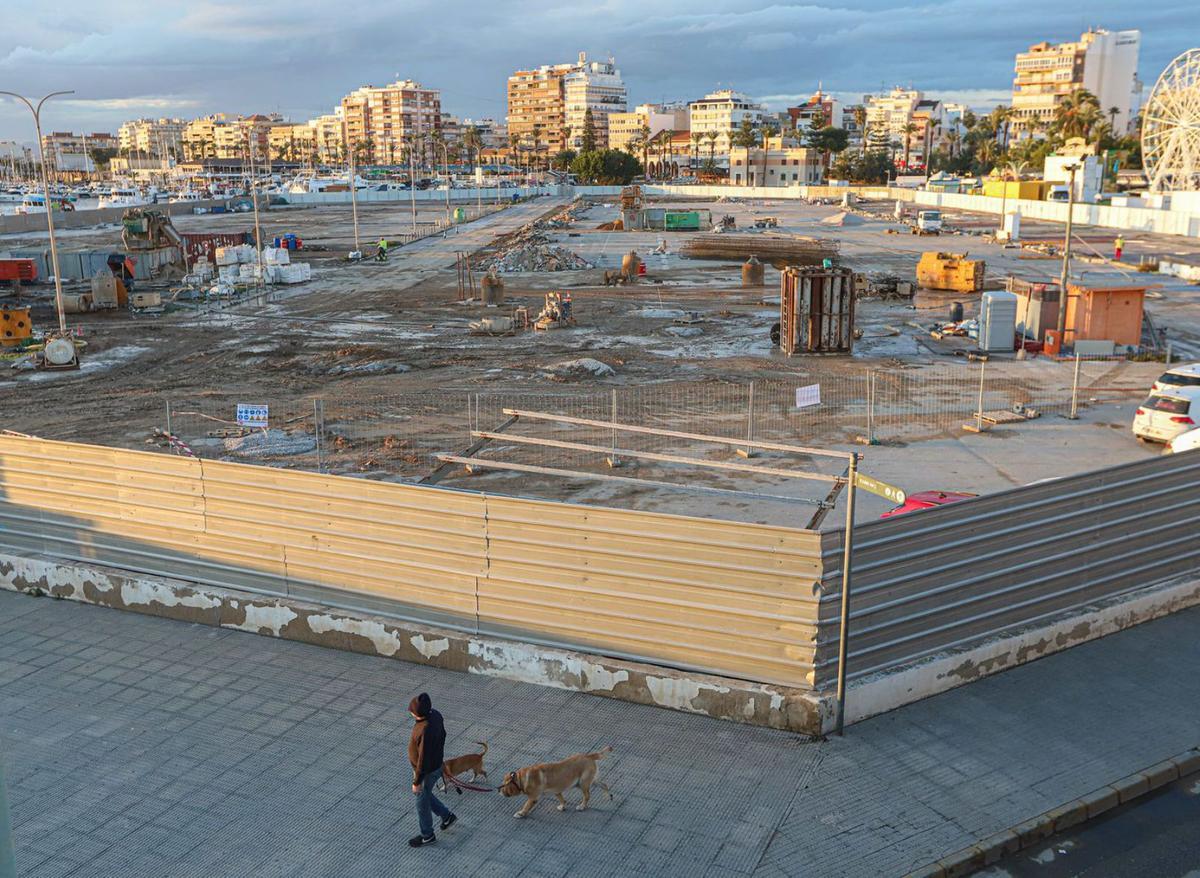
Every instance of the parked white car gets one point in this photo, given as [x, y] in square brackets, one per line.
[1188, 441]
[1163, 416]
[1178, 377]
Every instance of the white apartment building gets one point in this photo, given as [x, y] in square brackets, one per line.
[156, 138]
[595, 86]
[1101, 61]
[626, 128]
[721, 112]
[887, 116]
[384, 116]
[779, 165]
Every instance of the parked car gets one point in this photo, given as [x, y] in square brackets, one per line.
[1163, 416]
[1180, 376]
[926, 500]
[1188, 441]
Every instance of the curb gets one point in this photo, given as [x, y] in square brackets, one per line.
[1088, 806]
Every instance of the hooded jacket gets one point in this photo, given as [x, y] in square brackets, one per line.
[426, 747]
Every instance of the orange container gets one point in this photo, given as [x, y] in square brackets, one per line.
[1052, 344]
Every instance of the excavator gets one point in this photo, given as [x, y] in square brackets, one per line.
[144, 230]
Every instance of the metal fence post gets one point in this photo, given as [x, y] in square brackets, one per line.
[317, 432]
[1075, 392]
[871, 407]
[750, 421]
[169, 431]
[1168, 353]
[979, 408]
[844, 622]
[612, 460]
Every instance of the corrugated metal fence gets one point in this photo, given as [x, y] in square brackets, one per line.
[955, 576]
[715, 596]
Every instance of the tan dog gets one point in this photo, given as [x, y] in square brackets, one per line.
[472, 762]
[555, 777]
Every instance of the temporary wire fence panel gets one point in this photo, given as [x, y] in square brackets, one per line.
[953, 576]
[720, 597]
[716, 596]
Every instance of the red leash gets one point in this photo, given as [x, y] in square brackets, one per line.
[465, 786]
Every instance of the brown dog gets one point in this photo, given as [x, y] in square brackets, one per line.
[555, 777]
[472, 762]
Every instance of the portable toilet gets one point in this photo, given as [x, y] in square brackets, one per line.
[997, 321]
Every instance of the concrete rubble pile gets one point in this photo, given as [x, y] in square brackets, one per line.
[532, 250]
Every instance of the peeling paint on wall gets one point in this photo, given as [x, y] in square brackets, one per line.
[386, 642]
[142, 591]
[271, 617]
[429, 648]
[678, 692]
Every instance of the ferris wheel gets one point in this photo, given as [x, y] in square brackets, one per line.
[1171, 127]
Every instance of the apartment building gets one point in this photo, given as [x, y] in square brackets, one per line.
[385, 117]
[626, 128]
[493, 134]
[66, 151]
[328, 134]
[721, 112]
[1101, 61]
[155, 138]
[820, 107]
[222, 137]
[888, 116]
[778, 165]
[292, 142]
[546, 101]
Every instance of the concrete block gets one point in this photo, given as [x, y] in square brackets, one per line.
[1071, 814]
[1163, 773]
[933, 870]
[1032, 831]
[1129, 788]
[999, 846]
[1099, 801]
[966, 862]
[1187, 763]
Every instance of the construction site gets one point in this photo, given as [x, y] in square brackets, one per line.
[725, 333]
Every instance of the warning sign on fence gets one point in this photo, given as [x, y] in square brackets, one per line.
[252, 415]
[808, 395]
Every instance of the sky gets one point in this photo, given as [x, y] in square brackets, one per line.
[131, 58]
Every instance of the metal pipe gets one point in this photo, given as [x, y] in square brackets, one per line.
[317, 431]
[749, 420]
[844, 622]
[169, 431]
[979, 408]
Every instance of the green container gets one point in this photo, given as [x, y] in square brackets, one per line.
[682, 221]
[460, 215]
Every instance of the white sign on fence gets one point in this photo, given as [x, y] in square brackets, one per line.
[808, 395]
[251, 415]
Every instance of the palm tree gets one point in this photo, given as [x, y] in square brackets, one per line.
[712, 145]
[952, 140]
[696, 138]
[1076, 113]
[643, 137]
[1113, 112]
[910, 128]
[860, 122]
[565, 131]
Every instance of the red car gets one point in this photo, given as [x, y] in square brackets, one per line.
[926, 500]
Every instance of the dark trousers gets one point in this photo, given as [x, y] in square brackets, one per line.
[428, 804]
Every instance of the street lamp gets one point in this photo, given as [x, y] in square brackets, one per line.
[1066, 263]
[445, 164]
[37, 124]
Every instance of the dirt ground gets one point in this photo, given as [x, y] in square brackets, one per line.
[375, 343]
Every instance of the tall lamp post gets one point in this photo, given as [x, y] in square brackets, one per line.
[1066, 263]
[37, 124]
[446, 165]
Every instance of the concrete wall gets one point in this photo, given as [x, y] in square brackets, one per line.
[83, 219]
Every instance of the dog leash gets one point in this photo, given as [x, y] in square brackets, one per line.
[466, 786]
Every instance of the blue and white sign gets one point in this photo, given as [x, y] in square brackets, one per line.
[252, 415]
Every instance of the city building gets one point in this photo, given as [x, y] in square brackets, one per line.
[821, 107]
[384, 118]
[329, 135]
[889, 115]
[154, 138]
[1102, 62]
[292, 142]
[778, 165]
[493, 134]
[720, 112]
[219, 136]
[626, 128]
[74, 153]
[547, 105]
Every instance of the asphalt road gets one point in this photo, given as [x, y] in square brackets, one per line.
[1157, 836]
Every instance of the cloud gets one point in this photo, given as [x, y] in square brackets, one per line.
[130, 57]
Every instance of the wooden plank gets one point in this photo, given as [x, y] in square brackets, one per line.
[603, 477]
[675, 434]
[649, 455]
[440, 472]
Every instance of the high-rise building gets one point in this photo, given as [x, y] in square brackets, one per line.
[66, 151]
[889, 115]
[721, 112]
[547, 105]
[626, 128]
[1102, 62]
[384, 118]
[220, 137]
[155, 138]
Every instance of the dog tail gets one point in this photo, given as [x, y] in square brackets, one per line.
[482, 744]
[601, 753]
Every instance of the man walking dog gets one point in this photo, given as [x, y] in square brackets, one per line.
[426, 754]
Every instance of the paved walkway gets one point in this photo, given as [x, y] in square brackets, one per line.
[138, 746]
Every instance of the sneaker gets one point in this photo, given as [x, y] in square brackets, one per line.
[449, 821]
[419, 841]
